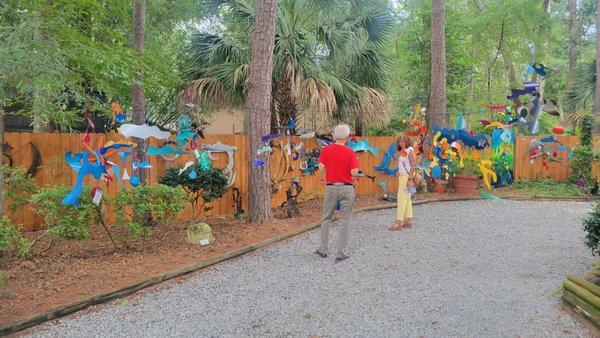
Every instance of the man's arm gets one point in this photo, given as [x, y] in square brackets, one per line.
[322, 167]
[354, 172]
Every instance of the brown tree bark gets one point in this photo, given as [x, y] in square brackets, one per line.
[39, 125]
[137, 93]
[259, 99]
[540, 49]
[574, 36]
[597, 98]
[359, 125]
[436, 110]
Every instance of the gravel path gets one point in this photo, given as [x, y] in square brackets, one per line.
[466, 269]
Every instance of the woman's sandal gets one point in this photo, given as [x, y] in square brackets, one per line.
[397, 226]
[407, 224]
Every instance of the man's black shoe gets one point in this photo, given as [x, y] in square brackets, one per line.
[320, 254]
[341, 258]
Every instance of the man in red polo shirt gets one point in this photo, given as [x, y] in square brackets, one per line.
[340, 165]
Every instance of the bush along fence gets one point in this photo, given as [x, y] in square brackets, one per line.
[42, 156]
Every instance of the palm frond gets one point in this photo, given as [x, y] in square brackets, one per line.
[374, 107]
[318, 96]
[581, 99]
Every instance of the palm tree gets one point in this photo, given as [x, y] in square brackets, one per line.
[582, 98]
[326, 60]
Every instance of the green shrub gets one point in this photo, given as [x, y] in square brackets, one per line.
[18, 188]
[592, 226]
[64, 221]
[587, 128]
[11, 240]
[208, 185]
[471, 167]
[140, 208]
[583, 158]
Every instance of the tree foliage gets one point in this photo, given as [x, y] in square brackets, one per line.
[327, 58]
[60, 56]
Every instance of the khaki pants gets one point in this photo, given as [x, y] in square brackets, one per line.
[334, 194]
[404, 210]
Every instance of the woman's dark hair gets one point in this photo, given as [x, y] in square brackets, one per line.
[405, 139]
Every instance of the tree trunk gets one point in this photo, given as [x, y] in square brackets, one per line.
[359, 125]
[574, 32]
[259, 98]
[597, 98]
[436, 111]
[137, 93]
[512, 77]
[286, 104]
[39, 126]
[540, 50]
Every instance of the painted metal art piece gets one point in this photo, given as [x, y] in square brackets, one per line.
[549, 149]
[503, 144]
[388, 160]
[290, 206]
[362, 145]
[100, 164]
[36, 157]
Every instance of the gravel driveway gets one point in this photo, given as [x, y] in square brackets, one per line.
[471, 268]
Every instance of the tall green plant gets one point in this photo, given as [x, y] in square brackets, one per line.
[65, 222]
[18, 187]
[142, 207]
[592, 227]
[11, 240]
[583, 158]
[208, 185]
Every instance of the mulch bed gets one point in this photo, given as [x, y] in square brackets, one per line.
[64, 272]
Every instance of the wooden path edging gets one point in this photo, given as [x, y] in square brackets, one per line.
[582, 299]
[133, 288]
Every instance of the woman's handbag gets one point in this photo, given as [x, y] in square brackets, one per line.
[413, 177]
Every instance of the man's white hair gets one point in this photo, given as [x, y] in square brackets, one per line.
[341, 132]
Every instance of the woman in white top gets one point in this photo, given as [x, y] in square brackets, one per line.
[406, 167]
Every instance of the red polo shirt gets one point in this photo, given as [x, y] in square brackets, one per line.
[338, 161]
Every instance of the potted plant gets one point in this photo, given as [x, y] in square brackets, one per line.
[466, 178]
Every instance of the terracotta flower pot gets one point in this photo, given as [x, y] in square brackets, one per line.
[465, 184]
[437, 185]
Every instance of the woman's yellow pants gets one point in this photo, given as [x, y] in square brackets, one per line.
[404, 202]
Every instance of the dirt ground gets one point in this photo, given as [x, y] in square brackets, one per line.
[64, 272]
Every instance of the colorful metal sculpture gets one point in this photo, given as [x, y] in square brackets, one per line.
[362, 145]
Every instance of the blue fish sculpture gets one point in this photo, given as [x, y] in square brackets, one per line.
[362, 145]
[388, 158]
[515, 93]
[479, 141]
[86, 168]
[165, 150]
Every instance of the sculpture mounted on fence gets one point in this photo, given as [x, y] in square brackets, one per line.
[290, 206]
[100, 161]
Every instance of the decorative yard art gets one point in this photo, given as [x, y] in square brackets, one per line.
[117, 160]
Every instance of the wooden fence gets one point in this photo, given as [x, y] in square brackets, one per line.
[53, 169]
[526, 170]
